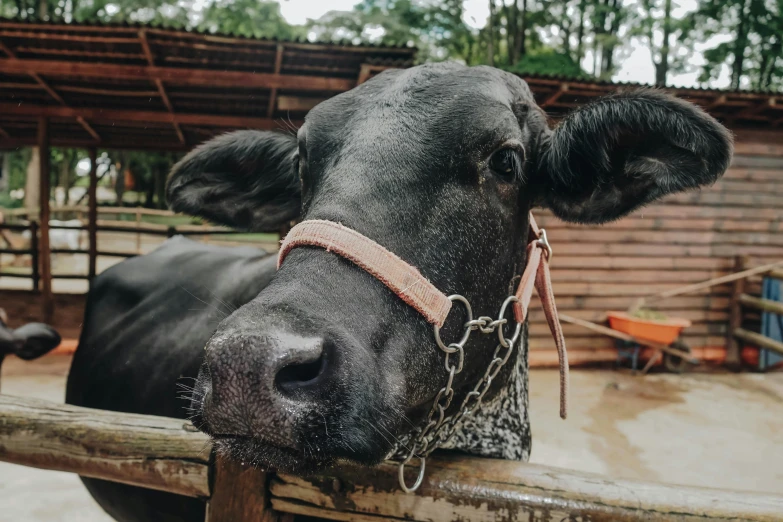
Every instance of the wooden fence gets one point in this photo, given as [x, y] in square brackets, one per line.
[26, 220]
[170, 455]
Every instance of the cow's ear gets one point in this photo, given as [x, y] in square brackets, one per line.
[621, 152]
[34, 340]
[243, 179]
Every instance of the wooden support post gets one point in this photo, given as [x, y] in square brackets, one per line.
[270, 111]
[45, 250]
[240, 493]
[733, 348]
[36, 267]
[92, 219]
[138, 230]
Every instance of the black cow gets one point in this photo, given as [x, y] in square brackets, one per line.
[320, 362]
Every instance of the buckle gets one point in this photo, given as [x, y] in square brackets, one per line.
[543, 242]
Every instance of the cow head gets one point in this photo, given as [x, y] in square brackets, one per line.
[440, 164]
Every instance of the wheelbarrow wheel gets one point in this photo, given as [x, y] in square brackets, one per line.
[676, 364]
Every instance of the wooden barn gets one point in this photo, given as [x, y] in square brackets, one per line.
[152, 89]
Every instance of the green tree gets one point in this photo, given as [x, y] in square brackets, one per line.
[754, 54]
[260, 19]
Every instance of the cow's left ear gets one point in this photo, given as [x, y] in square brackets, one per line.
[242, 179]
[621, 152]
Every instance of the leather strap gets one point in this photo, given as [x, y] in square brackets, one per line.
[407, 282]
[401, 278]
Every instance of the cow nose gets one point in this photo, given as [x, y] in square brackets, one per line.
[260, 384]
[302, 371]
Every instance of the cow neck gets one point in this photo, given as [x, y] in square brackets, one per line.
[412, 287]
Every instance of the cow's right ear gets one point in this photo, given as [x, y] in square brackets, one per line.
[243, 179]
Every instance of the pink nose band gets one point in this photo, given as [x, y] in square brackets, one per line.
[401, 278]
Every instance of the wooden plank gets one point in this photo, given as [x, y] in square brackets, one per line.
[756, 303]
[733, 348]
[141, 450]
[714, 282]
[270, 110]
[776, 274]
[633, 275]
[111, 115]
[625, 337]
[177, 75]
[488, 490]
[666, 237]
[674, 224]
[759, 340]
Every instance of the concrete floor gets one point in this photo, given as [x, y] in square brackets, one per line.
[717, 430]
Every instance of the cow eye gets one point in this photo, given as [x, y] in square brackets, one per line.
[506, 163]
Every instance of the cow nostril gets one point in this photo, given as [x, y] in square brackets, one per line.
[297, 376]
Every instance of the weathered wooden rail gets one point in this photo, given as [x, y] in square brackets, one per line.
[742, 301]
[169, 455]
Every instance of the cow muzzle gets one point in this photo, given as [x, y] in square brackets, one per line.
[264, 386]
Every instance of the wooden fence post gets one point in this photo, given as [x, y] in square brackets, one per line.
[35, 267]
[733, 348]
[240, 494]
[45, 249]
[92, 214]
[138, 231]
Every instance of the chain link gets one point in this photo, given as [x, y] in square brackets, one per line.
[439, 428]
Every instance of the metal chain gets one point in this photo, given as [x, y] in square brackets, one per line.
[439, 428]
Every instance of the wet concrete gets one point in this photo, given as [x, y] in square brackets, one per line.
[712, 430]
[718, 430]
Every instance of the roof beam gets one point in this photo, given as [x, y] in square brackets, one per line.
[366, 71]
[145, 45]
[210, 120]
[273, 93]
[86, 126]
[755, 109]
[48, 88]
[556, 96]
[177, 75]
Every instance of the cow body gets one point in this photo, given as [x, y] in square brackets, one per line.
[146, 324]
[319, 362]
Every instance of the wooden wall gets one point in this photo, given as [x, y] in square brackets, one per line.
[685, 238]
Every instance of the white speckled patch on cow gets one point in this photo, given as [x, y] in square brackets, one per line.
[501, 429]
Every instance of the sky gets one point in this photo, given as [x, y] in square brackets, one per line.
[636, 67]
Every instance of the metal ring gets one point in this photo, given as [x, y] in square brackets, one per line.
[419, 479]
[543, 242]
[450, 367]
[466, 335]
[504, 342]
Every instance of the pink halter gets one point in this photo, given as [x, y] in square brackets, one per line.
[413, 288]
